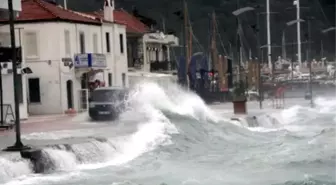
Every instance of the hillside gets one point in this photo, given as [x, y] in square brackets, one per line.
[163, 12]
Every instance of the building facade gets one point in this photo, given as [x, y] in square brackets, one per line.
[6, 69]
[67, 52]
[149, 55]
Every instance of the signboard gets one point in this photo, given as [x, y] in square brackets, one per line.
[81, 61]
[6, 54]
[90, 60]
[97, 60]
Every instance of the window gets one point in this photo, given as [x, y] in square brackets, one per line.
[157, 54]
[124, 79]
[107, 37]
[121, 40]
[19, 81]
[30, 45]
[95, 43]
[34, 90]
[110, 79]
[82, 42]
[67, 43]
[4, 39]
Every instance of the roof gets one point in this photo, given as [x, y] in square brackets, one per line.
[133, 24]
[39, 10]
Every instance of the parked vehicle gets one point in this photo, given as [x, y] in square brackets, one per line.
[107, 103]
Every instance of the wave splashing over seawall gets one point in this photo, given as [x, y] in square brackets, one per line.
[178, 139]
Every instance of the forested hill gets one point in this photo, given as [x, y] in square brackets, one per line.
[162, 11]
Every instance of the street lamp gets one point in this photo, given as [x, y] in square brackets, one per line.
[242, 10]
[326, 31]
[238, 44]
[256, 30]
[18, 146]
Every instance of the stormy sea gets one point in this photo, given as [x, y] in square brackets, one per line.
[169, 136]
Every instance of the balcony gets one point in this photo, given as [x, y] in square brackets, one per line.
[157, 66]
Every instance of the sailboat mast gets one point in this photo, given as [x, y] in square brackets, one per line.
[186, 43]
[213, 43]
[190, 42]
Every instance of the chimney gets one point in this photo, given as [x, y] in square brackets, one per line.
[65, 4]
[108, 10]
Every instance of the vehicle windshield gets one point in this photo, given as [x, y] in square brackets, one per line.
[110, 95]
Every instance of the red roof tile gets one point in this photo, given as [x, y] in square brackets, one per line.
[39, 10]
[133, 25]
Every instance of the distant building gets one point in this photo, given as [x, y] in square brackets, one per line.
[66, 50]
[148, 51]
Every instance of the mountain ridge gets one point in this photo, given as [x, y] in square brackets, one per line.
[199, 11]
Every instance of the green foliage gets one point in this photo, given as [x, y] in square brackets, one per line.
[239, 89]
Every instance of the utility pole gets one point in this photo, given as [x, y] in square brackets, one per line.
[269, 55]
[18, 146]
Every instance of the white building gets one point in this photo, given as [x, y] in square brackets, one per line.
[154, 60]
[64, 48]
[6, 71]
[148, 51]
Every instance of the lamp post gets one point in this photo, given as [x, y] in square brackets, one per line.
[238, 44]
[256, 30]
[18, 146]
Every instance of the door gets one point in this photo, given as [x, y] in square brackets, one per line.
[83, 100]
[69, 87]
[123, 76]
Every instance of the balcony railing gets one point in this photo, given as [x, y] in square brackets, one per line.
[162, 66]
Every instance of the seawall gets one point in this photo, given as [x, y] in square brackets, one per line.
[51, 157]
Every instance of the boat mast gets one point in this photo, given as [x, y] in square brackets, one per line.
[214, 44]
[190, 41]
[269, 55]
[218, 60]
[186, 43]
